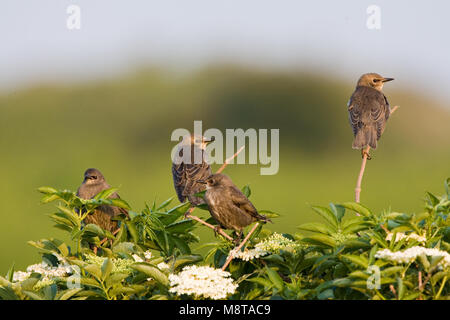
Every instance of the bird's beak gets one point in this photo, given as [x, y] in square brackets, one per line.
[387, 79]
[201, 181]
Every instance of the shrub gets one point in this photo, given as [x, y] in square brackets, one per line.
[352, 254]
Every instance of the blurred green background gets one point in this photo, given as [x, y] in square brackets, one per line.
[50, 133]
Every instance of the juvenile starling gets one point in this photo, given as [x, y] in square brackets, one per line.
[93, 183]
[186, 173]
[228, 205]
[368, 111]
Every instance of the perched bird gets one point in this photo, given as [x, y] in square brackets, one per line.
[93, 183]
[228, 205]
[188, 171]
[368, 111]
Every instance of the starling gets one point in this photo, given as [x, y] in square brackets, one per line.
[186, 173]
[228, 205]
[368, 111]
[94, 182]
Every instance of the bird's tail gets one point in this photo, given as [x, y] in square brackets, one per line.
[366, 136]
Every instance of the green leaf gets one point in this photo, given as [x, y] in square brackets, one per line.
[246, 191]
[320, 239]
[95, 229]
[275, 278]
[151, 271]
[358, 260]
[105, 194]
[173, 214]
[107, 267]
[317, 227]
[338, 211]
[94, 270]
[401, 288]
[120, 203]
[328, 215]
[47, 190]
[10, 273]
[33, 295]
[262, 281]
[181, 226]
[49, 198]
[357, 207]
[67, 294]
[164, 204]
[269, 214]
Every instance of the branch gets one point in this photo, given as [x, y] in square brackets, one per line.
[188, 215]
[363, 167]
[239, 247]
[230, 159]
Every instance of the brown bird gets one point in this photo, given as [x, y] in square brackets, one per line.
[188, 171]
[93, 183]
[228, 205]
[368, 110]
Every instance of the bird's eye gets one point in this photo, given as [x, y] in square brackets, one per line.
[376, 80]
[94, 177]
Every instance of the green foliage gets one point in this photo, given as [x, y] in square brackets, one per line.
[352, 253]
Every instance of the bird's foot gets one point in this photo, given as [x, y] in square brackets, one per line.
[238, 238]
[365, 153]
[217, 230]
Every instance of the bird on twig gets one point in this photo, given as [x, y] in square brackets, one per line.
[368, 110]
[228, 205]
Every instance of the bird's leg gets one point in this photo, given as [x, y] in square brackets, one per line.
[238, 237]
[217, 230]
[95, 250]
[188, 213]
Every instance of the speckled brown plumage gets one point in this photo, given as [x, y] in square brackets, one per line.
[368, 110]
[93, 183]
[187, 173]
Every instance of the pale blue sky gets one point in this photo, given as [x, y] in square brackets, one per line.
[412, 46]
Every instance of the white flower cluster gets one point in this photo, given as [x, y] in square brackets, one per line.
[411, 236]
[272, 244]
[248, 254]
[163, 266]
[202, 281]
[119, 265]
[47, 271]
[409, 255]
[277, 242]
[147, 256]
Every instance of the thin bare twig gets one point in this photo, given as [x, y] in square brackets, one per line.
[227, 161]
[188, 215]
[240, 246]
[363, 167]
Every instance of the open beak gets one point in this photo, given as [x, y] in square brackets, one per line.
[387, 79]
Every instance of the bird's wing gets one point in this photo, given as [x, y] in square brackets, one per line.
[379, 112]
[194, 172]
[354, 114]
[368, 107]
[241, 201]
[179, 180]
